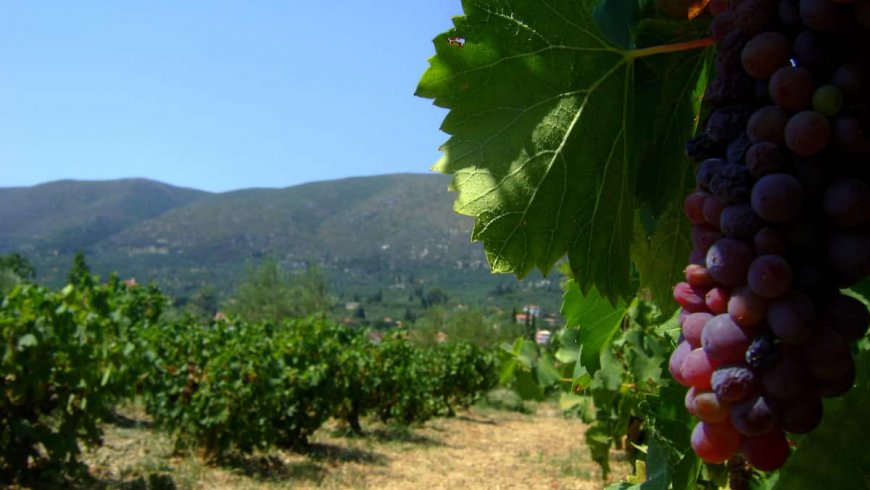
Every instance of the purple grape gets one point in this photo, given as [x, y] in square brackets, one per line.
[807, 133]
[746, 308]
[769, 276]
[762, 352]
[801, 414]
[784, 379]
[837, 386]
[728, 261]
[764, 157]
[848, 256]
[739, 221]
[734, 383]
[724, 340]
[768, 241]
[848, 316]
[777, 197]
[792, 318]
[847, 202]
[826, 355]
[765, 53]
[767, 124]
[754, 416]
[791, 88]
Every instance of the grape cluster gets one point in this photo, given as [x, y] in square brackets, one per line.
[780, 223]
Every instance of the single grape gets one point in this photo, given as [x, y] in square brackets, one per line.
[734, 383]
[697, 368]
[693, 325]
[826, 355]
[750, 16]
[847, 202]
[704, 236]
[691, 299]
[768, 241]
[712, 210]
[765, 53]
[819, 15]
[690, 400]
[746, 308]
[736, 151]
[728, 261]
[848, 135]
[739, 221]
[812, 51]
[731, 184]
[791, 88]
[766, 452]
[851, 79]
[708, 407]
[724, 340]
[693, 206]
[769, 276]
[784, 379]
[762, 352]
[709, 168]
[767, 124]
[753, 416]
[715, 443]
[717, 300]
[807, 133]
[726, 123]
[675, 363]
[801, 414]
[792, 317]
[764, 157]
[848, 256]
[837, 386]
[828, 100]
[777, 197]
[698, 277]
[848, 316]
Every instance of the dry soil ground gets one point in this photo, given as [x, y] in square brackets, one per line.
[478, 449]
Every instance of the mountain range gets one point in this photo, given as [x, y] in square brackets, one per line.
[367, 233]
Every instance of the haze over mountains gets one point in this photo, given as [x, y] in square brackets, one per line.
[367, 233]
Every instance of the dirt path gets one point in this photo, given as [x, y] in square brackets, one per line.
[476, 450]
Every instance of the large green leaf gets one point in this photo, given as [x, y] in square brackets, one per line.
[596, 319]
[544, 147]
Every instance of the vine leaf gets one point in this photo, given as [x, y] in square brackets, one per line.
[596, 320]
[544, 145]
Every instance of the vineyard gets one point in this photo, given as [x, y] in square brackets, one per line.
[696, 170]
[70, 357]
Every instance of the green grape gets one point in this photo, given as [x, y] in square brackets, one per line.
[828, 100]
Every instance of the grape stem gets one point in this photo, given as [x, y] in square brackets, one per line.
[670, 48]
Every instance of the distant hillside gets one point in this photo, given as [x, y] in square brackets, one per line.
[391, 231]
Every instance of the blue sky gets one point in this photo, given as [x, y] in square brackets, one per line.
[216, 95]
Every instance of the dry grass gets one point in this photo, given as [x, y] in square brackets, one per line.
[479, 449]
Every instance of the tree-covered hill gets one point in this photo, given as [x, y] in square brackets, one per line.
[367, 233]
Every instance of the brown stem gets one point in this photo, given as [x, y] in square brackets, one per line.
[671, 48]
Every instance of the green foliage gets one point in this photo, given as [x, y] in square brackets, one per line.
[271, 294]
[80, 273]
[18, 265]
[66, 359]
[471, 325]
[547, 145]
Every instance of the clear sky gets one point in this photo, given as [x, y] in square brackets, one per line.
[217, 94]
